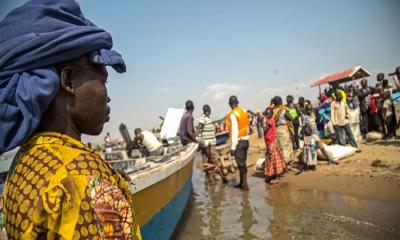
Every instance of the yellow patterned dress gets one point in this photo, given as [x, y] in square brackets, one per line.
[61, 189]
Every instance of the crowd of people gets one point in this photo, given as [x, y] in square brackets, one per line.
[375, 103]
[290, 127]
[327, 120]
[53, 90]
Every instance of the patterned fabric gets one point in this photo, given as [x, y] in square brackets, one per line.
[280, 119]
[279, 114]
[61, 189]
[274, 164]
[270, 135]
[285, 142]
[3, 234]
[324, 110]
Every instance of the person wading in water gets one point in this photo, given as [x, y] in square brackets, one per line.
[238, 124]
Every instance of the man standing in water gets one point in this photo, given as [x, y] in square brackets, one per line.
[238, 124]
[52, 90]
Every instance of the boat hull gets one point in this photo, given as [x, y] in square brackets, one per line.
[161, 196]
[164, 223]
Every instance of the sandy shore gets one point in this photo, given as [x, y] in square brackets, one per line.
[373, 173]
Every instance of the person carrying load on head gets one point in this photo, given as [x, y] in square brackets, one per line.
[52, 90]
[238, 125]
[337, 89]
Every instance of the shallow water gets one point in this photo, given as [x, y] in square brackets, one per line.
[217, 211]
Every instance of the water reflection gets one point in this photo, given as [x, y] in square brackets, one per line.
[218, 211]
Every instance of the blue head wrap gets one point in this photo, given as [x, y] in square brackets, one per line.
[33, 38]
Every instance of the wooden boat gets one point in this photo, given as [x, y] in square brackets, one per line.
[161, 187]
[5, 163]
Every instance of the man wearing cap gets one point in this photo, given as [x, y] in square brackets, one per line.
[238, 124]
[52, 90]
[396, 77]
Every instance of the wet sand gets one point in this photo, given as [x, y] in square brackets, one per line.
[358, 199]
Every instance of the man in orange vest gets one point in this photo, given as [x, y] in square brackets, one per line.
[238, 124]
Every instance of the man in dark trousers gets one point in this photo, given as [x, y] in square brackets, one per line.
[363, 97]
[295, 113]
[238, 123]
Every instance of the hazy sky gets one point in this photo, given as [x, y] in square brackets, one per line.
[207, 50]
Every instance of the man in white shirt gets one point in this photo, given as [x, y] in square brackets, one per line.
[340, 121]
[150, 142]
[107, 143]
[238, 124]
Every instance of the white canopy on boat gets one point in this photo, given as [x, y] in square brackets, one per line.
[171, 123]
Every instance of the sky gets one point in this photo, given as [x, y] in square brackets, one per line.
[207, 50]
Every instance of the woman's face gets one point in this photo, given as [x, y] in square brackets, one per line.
[89, 107]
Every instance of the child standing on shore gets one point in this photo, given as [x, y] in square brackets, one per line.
[309, 122]
[310, 149]
[275, 165]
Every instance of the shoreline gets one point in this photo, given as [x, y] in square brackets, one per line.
[372, 174]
